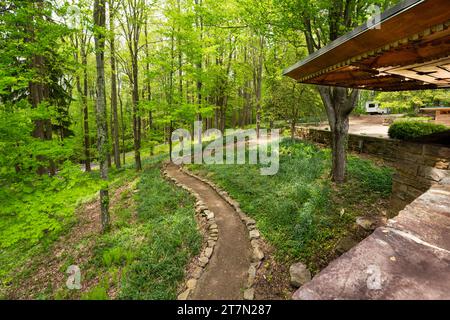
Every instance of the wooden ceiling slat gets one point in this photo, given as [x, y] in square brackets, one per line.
[417, 35]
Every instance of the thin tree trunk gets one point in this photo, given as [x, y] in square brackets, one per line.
[258, 84]
[136, 118]
[292, 129]
[87, 142]
[147, 77]
[199, 22]
[115, 122]
[101, 116]
[83, 92]
[122, 122]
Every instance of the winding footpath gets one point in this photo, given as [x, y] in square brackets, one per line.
[226, 275]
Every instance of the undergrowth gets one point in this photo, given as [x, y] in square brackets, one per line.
[296, 209]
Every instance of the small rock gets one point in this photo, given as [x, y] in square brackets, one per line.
[251, 227]
[368, 224]
[258, 254]
[254, 234]
[191, 284]
[249, 294]
[299, 274]
[203, 261]
[213, 226]
[184, 295]
[208, 252]
[251, 276]
[241, 214]
[209, 215]
[196, 274]
[211, 243]
[250, 222]
[346, 244]
[254, 243]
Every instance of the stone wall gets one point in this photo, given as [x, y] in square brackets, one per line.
[418, 166]
[443, 117]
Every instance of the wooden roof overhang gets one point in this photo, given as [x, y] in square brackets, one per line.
[408, 50]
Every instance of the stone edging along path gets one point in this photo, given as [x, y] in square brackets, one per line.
[207, 220]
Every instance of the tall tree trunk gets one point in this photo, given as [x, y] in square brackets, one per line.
[39, 92]
[171, 90]
[115, 122]
[258, 84]
[180, 61]
[87, 139]
[147, 76]
[199, 23]
[101, 116]
[83, 92]
[339, 103]
[136, 117]
[122, 121]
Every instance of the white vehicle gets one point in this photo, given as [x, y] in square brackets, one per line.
[373, 107]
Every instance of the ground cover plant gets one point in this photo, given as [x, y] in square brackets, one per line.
[299, 210]
[152, 238]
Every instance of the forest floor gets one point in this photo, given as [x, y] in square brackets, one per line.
[46, 273]
[142, 256]
[154, 235]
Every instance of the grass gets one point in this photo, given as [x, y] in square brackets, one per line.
[37, 219]
[153, 236]
[168, 239]
[298, 210]
[145, 258]
[35, 212]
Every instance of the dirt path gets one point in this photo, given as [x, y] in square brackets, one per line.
[225, 276]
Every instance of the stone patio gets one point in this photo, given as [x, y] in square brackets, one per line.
[407, 259]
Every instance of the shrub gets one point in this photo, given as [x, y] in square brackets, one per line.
[407, 130]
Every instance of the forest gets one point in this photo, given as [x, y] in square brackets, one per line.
[90, 92]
